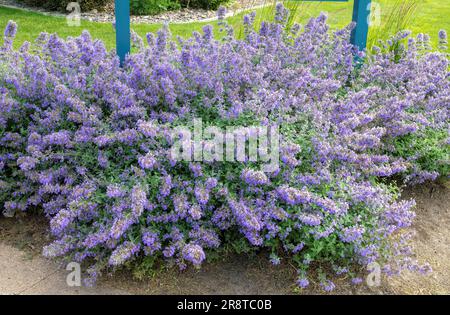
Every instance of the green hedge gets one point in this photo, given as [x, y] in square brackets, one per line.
[138, 7]
[149, 7]
[203, 4]
[60, 5]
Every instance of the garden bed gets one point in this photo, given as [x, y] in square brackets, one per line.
[95, 147]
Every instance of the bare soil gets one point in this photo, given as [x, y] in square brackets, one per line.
[244, 274]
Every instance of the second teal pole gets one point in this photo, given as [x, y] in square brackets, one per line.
[123, 38]
[361, 15]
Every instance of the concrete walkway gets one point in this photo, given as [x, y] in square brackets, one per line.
[21, 275]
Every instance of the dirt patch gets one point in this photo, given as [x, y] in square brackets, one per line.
[27, 233]
[253, 274]
[432, 241]
[238, 275]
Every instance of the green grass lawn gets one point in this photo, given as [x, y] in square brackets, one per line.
[430, 17]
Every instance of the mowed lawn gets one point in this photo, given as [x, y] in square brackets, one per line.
[430, 17]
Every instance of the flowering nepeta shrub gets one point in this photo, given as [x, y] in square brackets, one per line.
[89, 143]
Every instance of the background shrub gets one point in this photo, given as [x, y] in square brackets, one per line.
[61, 5]
[138, 7]
[150, 7]
[203, 4]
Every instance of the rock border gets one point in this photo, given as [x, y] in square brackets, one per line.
[179, 16]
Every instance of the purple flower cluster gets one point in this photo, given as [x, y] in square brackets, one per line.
[89, 143]
[152, 242]
[254, 178]
[194, 254]
[147, 161]
[122, 253]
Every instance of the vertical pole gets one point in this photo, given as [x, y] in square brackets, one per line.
[122, 10]
[361, 14]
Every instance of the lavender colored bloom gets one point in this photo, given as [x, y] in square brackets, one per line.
[61, 221]
[169, 251]
[194, 254]
[443, 40]
[180, 204]
[166, 186]
[298, 248]
[195, 212]
[102, 160]
[254, 178]
[115, 191]
[274, 259]
[151, 242]
[303, 283]
[27, 163]
[357, 281]
[310, 219]
[326, 204]
[95, 239]
[11, 29]
[221, 13]
[123, 253]
[148, 128]
[104, 140]
[202, 195]
[196, 169]
[147, 162]
[58, 248]
[211, 183]
[222, 218]
[120, 226]
[280, 12]
[58, 138]
[205, 237]
[246, 217]
[352, 234]
[128, 136]
[293, 196]
[207, 33]
[425, 269]
[138, 201]
[328, 285]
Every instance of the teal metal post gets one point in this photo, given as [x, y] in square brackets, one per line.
[123, 39]
[361, 14]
